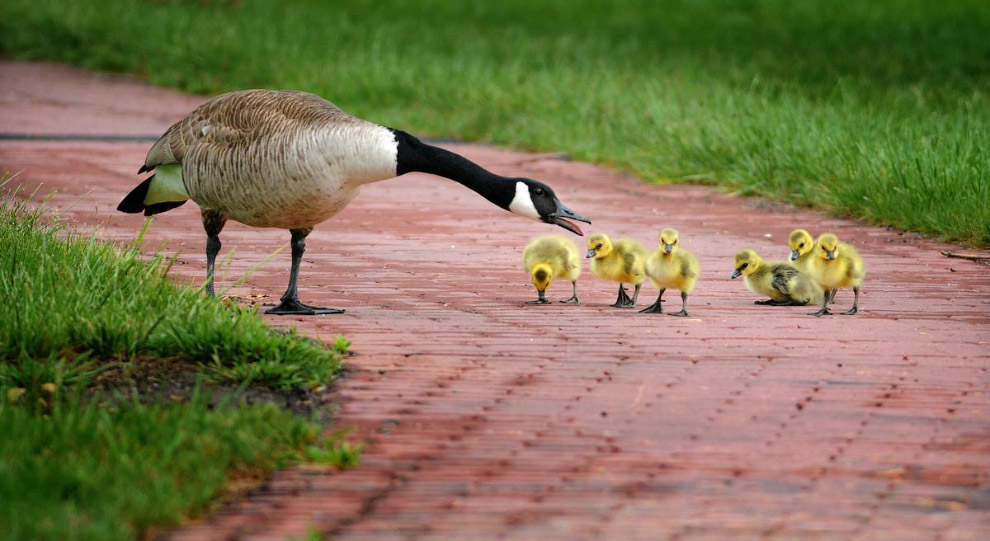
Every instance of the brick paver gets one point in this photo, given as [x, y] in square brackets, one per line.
[487, 418]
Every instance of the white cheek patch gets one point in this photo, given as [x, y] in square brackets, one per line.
[522, 203]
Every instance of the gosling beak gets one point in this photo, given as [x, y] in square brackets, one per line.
[668, 248]
[794, 255]
[831, 255]
[590, 254]
[736, 273]
[564, 212]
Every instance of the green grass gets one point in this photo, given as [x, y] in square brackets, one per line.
[80, 464]
[871, 109]
[76, 299]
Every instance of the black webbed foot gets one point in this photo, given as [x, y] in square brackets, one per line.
[852, 311]
[294, 307]
[682, 313]
[655, 308]
[623, 300]
[541, 300]
[823, 312]
[572, 300]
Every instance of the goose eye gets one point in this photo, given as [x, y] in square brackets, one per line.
[801, 245]
[599, 247]
[743, 266]
[538, 191]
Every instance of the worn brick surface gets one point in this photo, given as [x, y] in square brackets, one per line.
[488, 418]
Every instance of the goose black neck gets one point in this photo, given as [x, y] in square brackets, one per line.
[414, 155]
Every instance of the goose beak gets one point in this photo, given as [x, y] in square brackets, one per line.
[564, 214]
[590, 254]
[831, 255]
[794, 255]
[736, 274]
[668, 248]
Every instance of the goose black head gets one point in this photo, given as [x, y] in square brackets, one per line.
[536, 200]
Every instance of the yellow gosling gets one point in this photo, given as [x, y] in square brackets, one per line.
[671, 267]
[549, 257]
[782, 282]
[621, 261]
[837, 265]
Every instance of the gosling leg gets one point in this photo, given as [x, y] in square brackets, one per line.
[213, 222]
[542, 298]
[831, 295]
[635, 295]
[683, 312]
[574, 298]
[290, 304]
[656, 307]
[855, 308]
[622, 299]
[824, 311]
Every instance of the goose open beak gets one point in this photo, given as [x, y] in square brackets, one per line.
[562, 217]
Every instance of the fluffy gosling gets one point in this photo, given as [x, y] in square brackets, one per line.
[671, 267]
[550, 257]
[621, 261]
[782, 282]
[836, 265]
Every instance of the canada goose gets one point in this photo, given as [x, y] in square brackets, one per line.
[291, 160]
[671, 267]
[549, 257]
[836, 264]
[782, 282]
[621, 261]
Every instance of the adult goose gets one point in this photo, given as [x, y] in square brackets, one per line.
[291, 160]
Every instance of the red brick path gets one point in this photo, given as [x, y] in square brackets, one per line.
[488, 418]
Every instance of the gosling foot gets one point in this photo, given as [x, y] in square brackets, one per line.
[292, 307]
[572, 300]
[538, 301]
[682, 313]
[852, 311]
[823, 312]
[655, 308]
[623, 300]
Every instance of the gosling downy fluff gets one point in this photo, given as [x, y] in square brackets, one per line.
[836, 265]
[782, 282]
[671, 267]
[550, 257]
[620, 261]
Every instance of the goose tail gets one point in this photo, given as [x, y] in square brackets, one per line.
[158, 193]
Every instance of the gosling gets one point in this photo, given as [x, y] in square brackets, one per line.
[782, 282]
[802, 246]
[670, 267]
[549, 257]
[622, 261]
[837, 265]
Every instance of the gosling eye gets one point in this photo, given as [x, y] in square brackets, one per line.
[743, 266]
[599, 247]
[801, 245]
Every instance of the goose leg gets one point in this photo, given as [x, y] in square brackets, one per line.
[622, 299]
[290, 304]
[855, 308]
[542, 300]
[573, 299]
[683, 312]
[656, 307]
[213, 222]
[831, 295]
